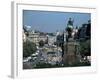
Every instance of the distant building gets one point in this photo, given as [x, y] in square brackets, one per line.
[51, 39]
[24, 36]
[85, 31]
[57, 33]
[60, 39]
[36, 37]
[33, 37]
[43, 37]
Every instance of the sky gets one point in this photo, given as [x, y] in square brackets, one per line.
[49, 21]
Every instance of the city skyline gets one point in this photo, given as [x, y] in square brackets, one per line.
[49, 21]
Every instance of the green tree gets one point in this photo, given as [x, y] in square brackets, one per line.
[41, 43]
[28, 48]
[85, 48]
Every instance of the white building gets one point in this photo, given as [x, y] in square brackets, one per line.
[43, 37]
[34, 37]
[51, 39]
[24, 36]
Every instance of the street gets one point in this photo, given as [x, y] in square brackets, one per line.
[47, 54]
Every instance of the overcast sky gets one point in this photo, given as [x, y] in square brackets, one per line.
[47, 21]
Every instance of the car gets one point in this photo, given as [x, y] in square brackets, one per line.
[33, 55]
[41, 59]
[29, 57]
[37, 51]
[25, 60]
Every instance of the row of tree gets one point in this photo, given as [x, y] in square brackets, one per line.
[28, 48]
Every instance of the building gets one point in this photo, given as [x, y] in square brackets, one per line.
[33, 37]
[43, 37]
[82, 33]
[51, 39]
[36, 37]
[24, 35]
[85, 31]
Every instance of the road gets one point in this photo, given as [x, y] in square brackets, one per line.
[42, 57]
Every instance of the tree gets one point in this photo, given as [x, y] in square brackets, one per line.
[28, 48]
[88, 29]
[41, 43]
[85, 48]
